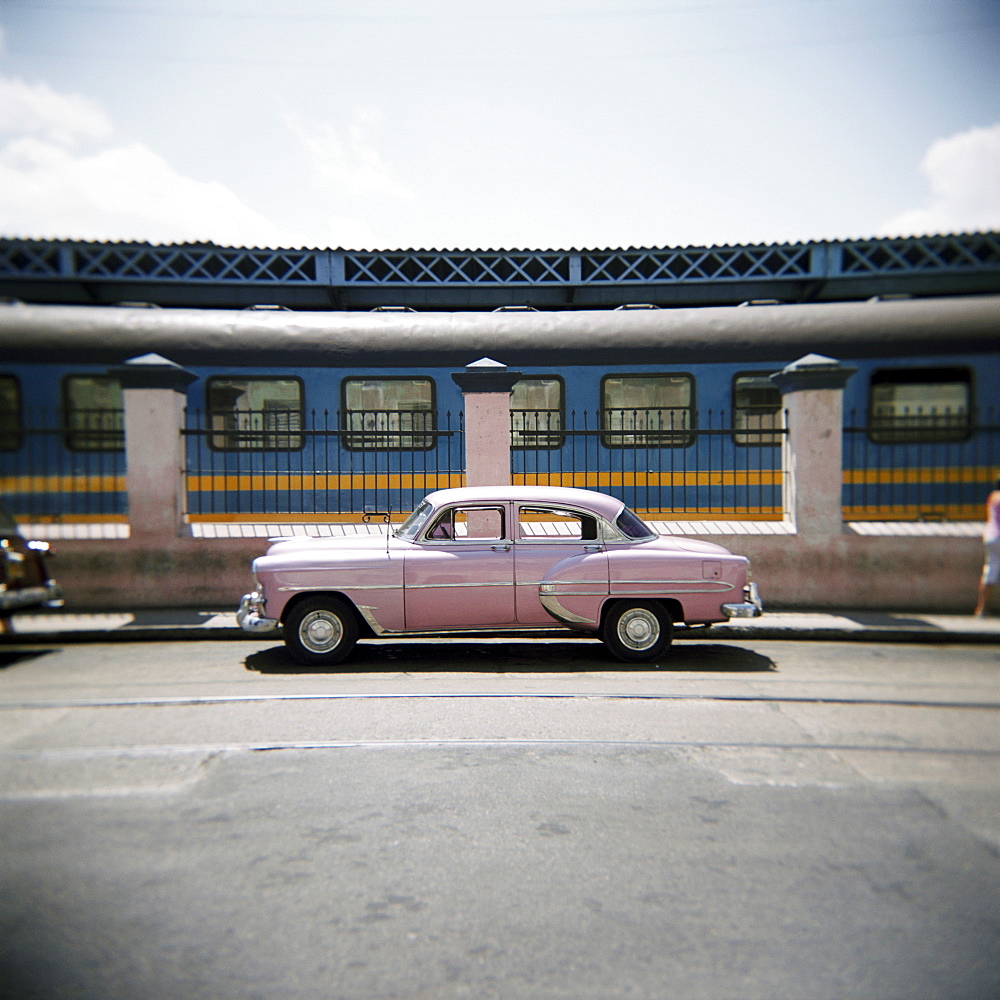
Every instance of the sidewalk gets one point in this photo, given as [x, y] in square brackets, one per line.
[194, 624]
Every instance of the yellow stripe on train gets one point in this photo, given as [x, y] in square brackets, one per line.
[435, 481]
[917, 475]
[62, 484]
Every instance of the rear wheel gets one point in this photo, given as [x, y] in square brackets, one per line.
[637, 631]
[321, 631]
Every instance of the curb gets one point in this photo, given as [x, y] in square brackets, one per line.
[198, 625]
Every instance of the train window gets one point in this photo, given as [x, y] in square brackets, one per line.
[388, 413]
[10, 413]
[94, 413]
[756, 409]
[655, 410]
[254, 413]
[920, 404]
[536, 413]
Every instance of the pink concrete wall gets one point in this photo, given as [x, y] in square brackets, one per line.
[846, 572]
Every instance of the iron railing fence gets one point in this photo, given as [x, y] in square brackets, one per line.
[912, 465]
[667, 463]
[54, 468]
[916, 464]
[339, 464]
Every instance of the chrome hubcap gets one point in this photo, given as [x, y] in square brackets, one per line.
[638, 629]
[321, 631]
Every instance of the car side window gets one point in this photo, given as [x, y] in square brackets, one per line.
[468, 524]
[547, 524]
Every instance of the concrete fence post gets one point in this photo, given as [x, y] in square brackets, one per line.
[486, 387]
[812, 390]
[153, 390]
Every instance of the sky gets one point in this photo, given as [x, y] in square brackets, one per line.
[541, 124]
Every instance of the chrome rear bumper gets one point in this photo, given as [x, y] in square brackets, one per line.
[751, 607]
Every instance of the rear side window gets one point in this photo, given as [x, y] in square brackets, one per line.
[545, 524]
[256, 413]
[10, 413]
[920, 404]
[632, 526]
[93, 413]
[651, 411]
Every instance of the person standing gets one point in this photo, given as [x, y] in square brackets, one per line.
[991, 542]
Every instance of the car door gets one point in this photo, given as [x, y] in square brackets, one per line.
[460, 572]
[563, 547]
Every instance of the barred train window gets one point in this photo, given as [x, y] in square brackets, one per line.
[756, 408]
[536, 413]
[10, 413]
[388, 413]
[93, 413]
[655, 410]
[255, 413]
[920, 404]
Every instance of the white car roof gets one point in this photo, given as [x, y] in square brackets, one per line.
[599, 503]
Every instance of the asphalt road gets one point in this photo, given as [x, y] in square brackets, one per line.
[500, 819]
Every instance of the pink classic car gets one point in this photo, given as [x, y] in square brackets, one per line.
[497, 559]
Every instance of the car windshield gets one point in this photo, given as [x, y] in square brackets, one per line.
[632, 526]
[412, 525]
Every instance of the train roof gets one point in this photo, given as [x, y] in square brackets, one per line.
[756, 333]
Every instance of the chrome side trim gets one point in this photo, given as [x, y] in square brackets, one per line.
[690, 586]
[367, 612]
[551, 604]
[669, 592]
[418, 586]
[460, 629]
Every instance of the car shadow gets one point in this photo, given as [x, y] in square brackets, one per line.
[454, 656]
[14, 657]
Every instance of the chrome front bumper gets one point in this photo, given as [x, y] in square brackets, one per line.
[249, 616]
[751, 607]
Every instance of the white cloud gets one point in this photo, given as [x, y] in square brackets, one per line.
[346, 161]
[37, 109]
[963, 171]
[63, 174]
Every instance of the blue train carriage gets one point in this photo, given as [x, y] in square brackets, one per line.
[343, 416]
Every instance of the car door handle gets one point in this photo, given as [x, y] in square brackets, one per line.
[503, 547]
[593, 548]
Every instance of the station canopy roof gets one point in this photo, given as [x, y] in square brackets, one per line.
[204, 275]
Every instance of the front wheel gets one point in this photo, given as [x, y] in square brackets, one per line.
[321, 631]
[637, 631]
